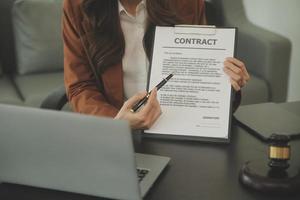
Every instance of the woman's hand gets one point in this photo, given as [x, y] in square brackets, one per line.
[237, 72]
[146, 116]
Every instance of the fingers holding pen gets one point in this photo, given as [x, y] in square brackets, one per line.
[145, 117]
[151, 111]
[151, 101]
[130, 102]
[126, 114]
[143, 109]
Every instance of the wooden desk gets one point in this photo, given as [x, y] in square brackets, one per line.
[197, 170]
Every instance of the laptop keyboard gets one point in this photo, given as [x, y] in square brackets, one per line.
[142, 173]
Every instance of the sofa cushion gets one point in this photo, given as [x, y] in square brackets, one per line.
[37, 32]
[256, 91]
[36, 87]
[8, 93]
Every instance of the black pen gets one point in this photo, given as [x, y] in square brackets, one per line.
[145, 99]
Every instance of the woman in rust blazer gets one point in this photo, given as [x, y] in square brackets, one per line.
[94, 43]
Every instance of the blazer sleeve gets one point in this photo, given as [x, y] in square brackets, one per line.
[80, 82]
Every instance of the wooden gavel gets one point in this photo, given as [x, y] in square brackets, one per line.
[278, 180]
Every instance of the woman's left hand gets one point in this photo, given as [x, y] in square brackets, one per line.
[237, 72]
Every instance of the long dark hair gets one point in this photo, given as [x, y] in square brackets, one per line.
[108, 44]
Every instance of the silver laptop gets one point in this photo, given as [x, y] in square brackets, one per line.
[73, 153]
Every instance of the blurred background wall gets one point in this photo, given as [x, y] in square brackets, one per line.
[282, 17]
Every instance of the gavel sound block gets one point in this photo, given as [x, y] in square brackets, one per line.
[276, 178]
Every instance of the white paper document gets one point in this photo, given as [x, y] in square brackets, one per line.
[197, 100]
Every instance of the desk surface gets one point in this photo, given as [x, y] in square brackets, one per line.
[197, 170]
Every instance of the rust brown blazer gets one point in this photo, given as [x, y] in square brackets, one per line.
[80, 82]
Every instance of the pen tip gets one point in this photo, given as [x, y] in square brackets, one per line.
[173, 73]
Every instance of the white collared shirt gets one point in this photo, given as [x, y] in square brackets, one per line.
[135, 63]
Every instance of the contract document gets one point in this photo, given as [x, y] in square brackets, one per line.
[197, 100]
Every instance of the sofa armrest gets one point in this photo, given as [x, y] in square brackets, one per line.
[266, 55]
[56, 100]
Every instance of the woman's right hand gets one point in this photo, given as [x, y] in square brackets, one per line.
[146, 116]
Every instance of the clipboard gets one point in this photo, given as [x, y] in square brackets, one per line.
[199, 30]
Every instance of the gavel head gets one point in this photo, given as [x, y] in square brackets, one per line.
[279, 152]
